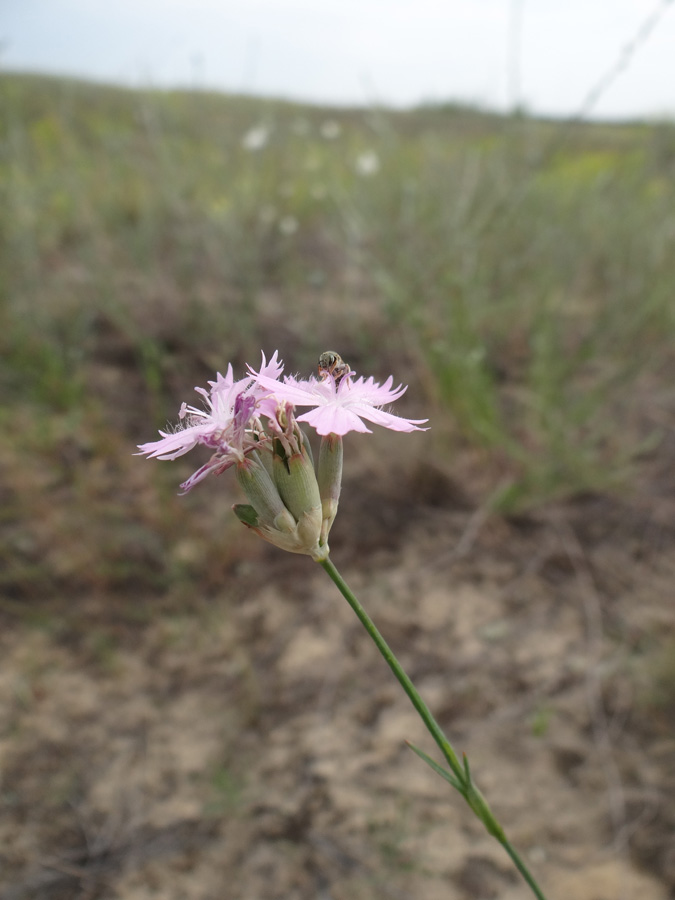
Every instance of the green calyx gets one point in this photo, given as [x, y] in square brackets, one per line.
[329, 480]
[296, 482]
[285, 506]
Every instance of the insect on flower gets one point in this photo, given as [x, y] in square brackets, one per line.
[331, 363]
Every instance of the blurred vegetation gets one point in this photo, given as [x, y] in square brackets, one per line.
[517, 272]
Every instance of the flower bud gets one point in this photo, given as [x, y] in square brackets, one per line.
[295, 480]
[263, 496]
[287, 511]
[330, 480]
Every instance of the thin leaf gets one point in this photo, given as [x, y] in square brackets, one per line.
[449, 777]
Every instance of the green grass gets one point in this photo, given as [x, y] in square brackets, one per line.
[518, 272]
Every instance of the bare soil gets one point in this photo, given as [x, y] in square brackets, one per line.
[248, 742]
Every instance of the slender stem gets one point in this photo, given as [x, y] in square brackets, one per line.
[461, 772]
[395, 666]
[522, 868]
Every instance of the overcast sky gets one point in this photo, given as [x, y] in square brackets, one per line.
[544, 54]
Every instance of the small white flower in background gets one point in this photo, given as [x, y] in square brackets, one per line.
[288, 225]
[331, 130]
[256, 138]
[367, 163]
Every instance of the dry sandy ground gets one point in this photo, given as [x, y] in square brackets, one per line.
[250, 745]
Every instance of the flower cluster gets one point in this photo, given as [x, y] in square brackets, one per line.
[251, 424]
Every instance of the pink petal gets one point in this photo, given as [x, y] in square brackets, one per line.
[293, 391]
[389, 420]
[273, 368]
[333, 420]
[367, 389]
[171, 446]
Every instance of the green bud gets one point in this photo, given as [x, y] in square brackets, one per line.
[330, 480]
[263, 496]
[295, 480]
[264, 456]
[296, 531]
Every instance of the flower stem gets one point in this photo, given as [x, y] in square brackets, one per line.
[432, 725]
[461, 778]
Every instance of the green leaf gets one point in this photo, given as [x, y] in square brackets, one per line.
[449, 777]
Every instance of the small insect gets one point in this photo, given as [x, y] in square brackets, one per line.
[331, 363]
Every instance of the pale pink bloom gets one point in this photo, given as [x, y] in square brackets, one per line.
[224, 425]
[340, 409]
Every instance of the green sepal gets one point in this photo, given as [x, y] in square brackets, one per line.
[307, 446]
[263, 494]
[264, 456]
[279, 456]
[296, 482]
[246, 514]
[329, 477]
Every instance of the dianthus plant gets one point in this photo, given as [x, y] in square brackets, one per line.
[252, 425]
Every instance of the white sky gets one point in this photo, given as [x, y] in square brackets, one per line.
[397, 52]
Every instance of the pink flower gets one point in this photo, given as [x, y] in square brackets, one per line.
[340, 409]
[231, 408]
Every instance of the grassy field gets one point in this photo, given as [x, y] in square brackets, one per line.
[520, 272]
[517, 274]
